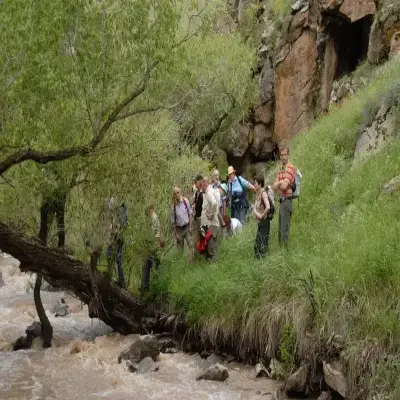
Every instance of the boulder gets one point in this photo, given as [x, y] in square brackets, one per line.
[260, 370]
[262, 145]
[237, 141]
[22, 343]
[1, 280]
[145, 346]
[216, 372]
[334, 378]
[34, 330]
[392, 186]
[395, 44]
[385, 26]
[325, 396]
[297, 382]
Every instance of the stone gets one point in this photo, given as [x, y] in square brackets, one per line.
[22, 343]
[357, 9]
[145, 366]
[237, 141]
[264, 113]
[386, 24]
[395, 44]
[34, 330]
[334, 378]
[1, 280]
[325, 396]
[216, 372]
[260, 370]
[262, 145]
[297, 382]
[375, 136]
[393, 186]
[328, 75]
[264, 396]
[145, 346]
[295, 82]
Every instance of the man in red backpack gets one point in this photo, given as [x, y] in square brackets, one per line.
[181, 220]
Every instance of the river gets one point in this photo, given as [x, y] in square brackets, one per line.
[82, 364]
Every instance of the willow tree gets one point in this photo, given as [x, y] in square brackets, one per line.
[100, 88]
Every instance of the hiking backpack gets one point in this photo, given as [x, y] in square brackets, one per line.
[296, 186]
[271, 200]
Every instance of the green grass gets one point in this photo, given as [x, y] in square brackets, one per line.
[341, 275]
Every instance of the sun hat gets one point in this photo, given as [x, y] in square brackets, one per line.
[231, 170]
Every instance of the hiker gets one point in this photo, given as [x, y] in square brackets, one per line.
[152, 259]
[209, 219]
[237, 192]
[215, 185]
[181, 220]
[197, 208]
[233, 226]
[54, 200]
[284, 183]
[118, 219]
[261, 210]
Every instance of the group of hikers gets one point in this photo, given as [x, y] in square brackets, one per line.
[204, 221]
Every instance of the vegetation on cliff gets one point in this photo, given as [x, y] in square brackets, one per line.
[340, 281]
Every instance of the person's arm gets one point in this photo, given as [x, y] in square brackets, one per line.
[221, 219]
[276, 185]
[264, 198]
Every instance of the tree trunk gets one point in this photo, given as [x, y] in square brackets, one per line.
[120, 309]
[47, 329]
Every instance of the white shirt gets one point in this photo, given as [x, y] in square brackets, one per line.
[209, 215]
[236, 226]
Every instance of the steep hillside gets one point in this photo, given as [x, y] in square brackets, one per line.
[335, 295]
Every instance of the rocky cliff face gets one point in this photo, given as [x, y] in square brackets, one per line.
[319, 42]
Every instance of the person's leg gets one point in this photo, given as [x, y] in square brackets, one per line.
[285, 215]
[44, 222]
[146, 273]
[189, 241]
[196, 237]
[280, 223]
[262, 238]
[212, 244]
[235, 210]
[179, 239]
[119, 250]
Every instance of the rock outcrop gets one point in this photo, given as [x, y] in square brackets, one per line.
[298, 381]
[335, 379]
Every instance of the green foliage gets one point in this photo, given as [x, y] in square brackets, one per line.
[65, 68]
[341, 273]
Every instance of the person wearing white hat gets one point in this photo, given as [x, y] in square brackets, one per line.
[237, 193]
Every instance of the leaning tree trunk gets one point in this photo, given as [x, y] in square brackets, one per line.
[47, 329]
[118, 308]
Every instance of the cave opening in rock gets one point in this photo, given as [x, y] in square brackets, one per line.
[351, 42]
